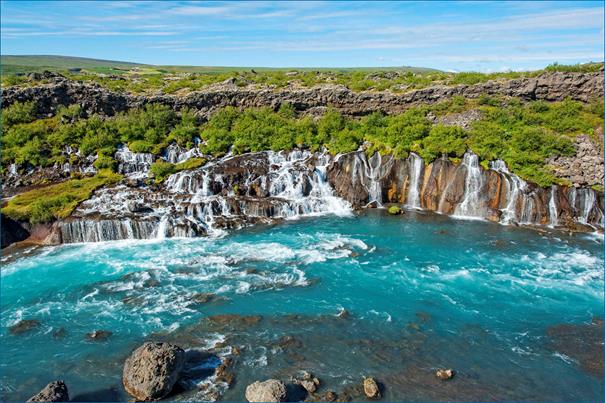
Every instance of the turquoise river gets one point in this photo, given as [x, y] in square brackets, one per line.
[393, 297]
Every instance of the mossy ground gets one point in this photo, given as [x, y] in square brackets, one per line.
[56, 201]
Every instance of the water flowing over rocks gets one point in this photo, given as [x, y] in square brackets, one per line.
[265, 187]
[228, 193]
[550, 86]
[464, 190]
[53, 392]
[152, 370]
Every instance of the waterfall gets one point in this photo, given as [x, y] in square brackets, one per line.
[369, 174]
[515, 191]
[552, 207]
[589, 208]
[87, 230]
[207, 199]
[416, 164]
[472, 187]
[175, 154]
[134, 165]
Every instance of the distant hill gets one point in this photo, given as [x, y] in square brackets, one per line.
[12, 64]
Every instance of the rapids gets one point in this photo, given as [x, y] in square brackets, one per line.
[423, 291]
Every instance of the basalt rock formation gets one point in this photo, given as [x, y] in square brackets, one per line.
[94, 99]
[263, 187]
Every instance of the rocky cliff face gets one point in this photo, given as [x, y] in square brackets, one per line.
[465, 190]
[263, 187]
[95, 99]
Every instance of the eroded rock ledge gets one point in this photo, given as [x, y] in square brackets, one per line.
[554, 86]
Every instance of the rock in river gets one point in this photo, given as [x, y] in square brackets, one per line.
[152, 370]
[24, 326]
[370, 388]
[53, 392]
[445, 374]
[270, 390]
[98, 335]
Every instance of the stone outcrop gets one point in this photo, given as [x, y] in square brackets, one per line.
[586, 167]
[53, 392]
[270, 390]
[552, 86]
[152, 370]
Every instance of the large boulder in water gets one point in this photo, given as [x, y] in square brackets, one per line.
[152, 370]
[53, 392]
[270, 390]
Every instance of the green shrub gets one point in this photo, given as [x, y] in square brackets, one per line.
[161, 170]
[394, 210]
[104, 162]
[191, 163]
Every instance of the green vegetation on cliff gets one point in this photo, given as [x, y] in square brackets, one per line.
[162, 169]
[56, 201]
[145, 79]
[522, 134]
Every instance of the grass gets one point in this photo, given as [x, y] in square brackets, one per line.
[161, 169]
[56, 201]
[145, 79]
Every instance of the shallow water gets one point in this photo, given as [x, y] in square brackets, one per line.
[423, 291]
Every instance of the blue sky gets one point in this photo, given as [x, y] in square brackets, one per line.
[476, 35]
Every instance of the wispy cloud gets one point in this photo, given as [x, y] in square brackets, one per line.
[319, 33]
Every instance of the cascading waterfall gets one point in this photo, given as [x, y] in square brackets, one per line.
[133, 164]
[588, 207]
[514, 192]
[176, 154]
[373, 173]
[470, 205]
[416, 165]
[552, 207]
[292, 187]
[258, 187]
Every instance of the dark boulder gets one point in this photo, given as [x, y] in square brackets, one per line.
[53, 392]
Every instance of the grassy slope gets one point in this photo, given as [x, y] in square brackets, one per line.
[56, 201]
[23, 64]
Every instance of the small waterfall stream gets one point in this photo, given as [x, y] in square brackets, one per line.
[372, 170]
[552, 207]
[416, 165]
[514, 193]
[470, 205]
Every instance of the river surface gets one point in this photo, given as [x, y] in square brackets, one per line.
[421, 292]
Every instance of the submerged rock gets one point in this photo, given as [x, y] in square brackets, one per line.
[222, 372]
[270, 390]
[370, 388]
[98, 335]
[582, 342]
[445, 374]
[307, 381]
[202, 297]
[24, 326]
[53, 392]
[152, 370]
[60, 333]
